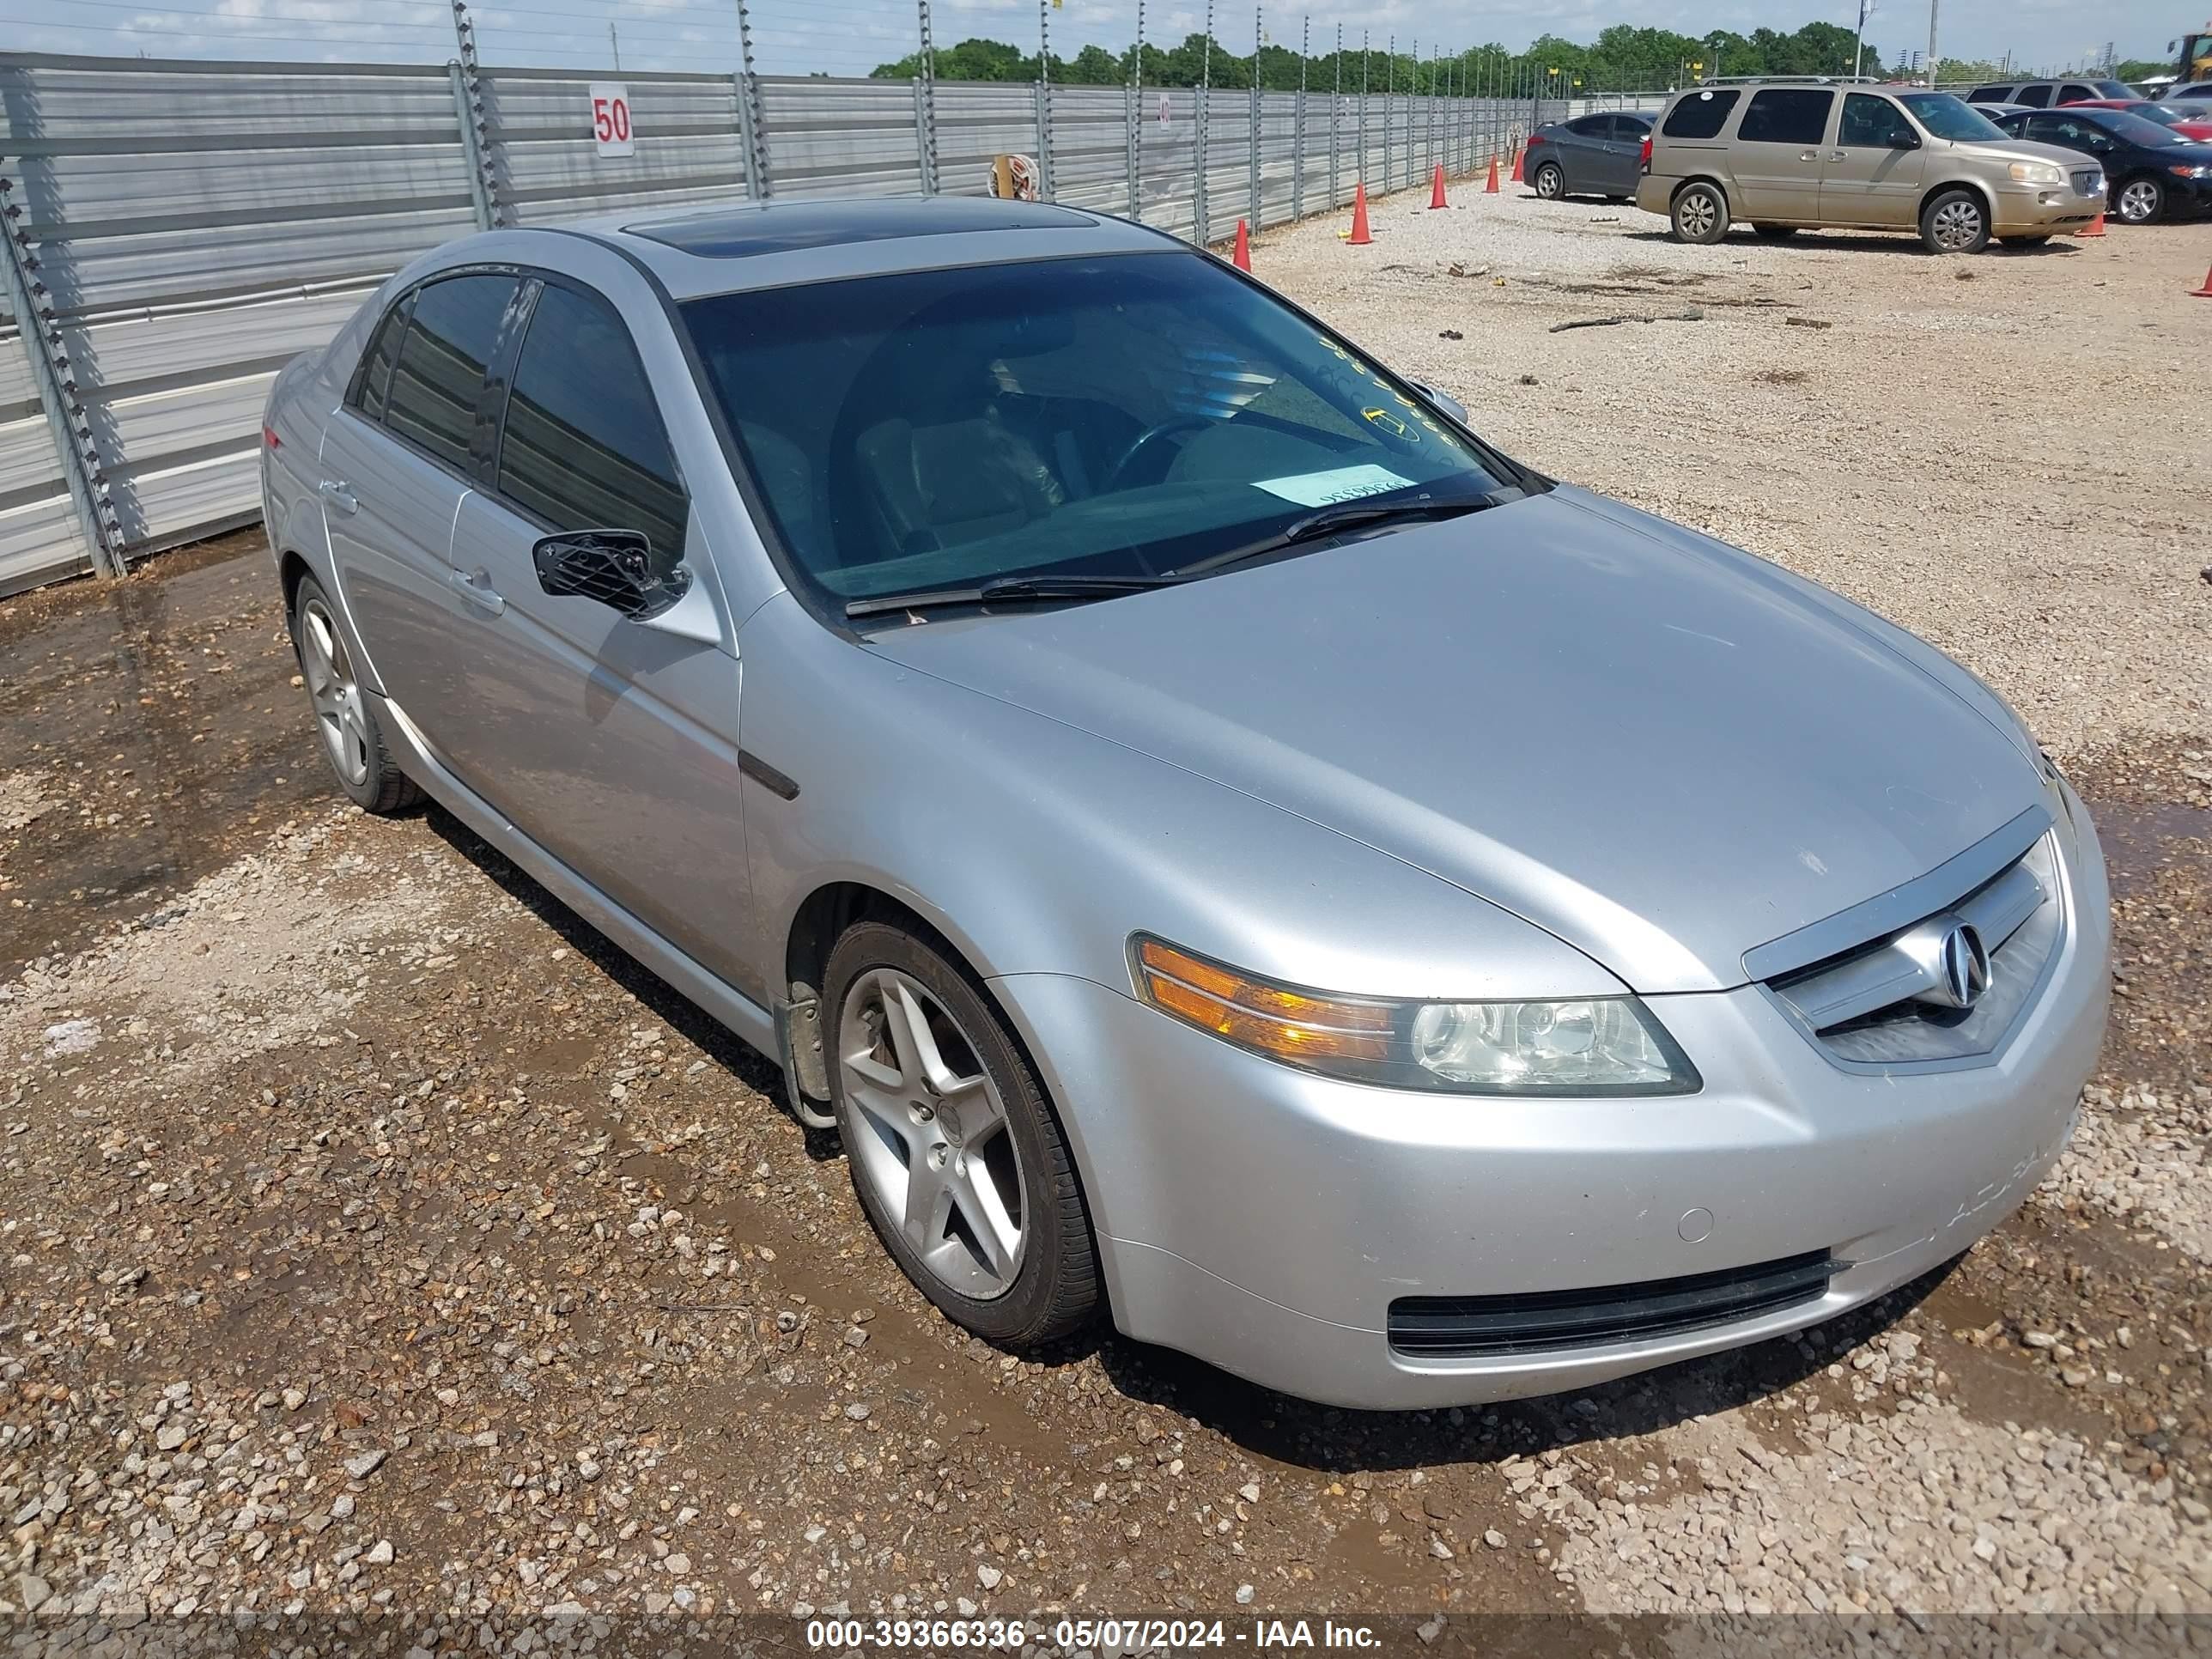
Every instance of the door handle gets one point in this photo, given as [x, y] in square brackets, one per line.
[1835, 155]
[1808, 156]
[476, 587]
[339, 493]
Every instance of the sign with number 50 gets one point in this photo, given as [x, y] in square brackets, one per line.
[611, 128]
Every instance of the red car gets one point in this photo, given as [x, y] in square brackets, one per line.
[2189, 120]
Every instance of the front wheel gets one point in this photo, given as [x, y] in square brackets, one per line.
[956, 1155]
[1551, 183]
[1955, 222]
[2140, 201]
[1700, 214]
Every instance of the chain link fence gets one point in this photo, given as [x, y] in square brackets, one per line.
[175, 231]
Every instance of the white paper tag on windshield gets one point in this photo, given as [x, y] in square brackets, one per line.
[1343, 483]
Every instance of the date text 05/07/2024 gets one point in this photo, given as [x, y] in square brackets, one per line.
[1113, 1635]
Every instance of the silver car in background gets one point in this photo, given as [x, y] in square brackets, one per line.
[1228, 848]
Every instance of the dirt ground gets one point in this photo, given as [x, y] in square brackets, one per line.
[375, 1236]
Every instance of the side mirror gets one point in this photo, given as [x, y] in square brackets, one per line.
[618, 569]
[1903, 141]
[1442, 400]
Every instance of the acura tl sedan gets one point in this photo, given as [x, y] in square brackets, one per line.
[1227, 848]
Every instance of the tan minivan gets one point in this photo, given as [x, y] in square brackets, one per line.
[1804, 154]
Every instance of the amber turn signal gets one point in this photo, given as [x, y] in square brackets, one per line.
[1293, 1025]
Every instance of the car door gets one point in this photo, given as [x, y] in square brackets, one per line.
[1581, 151]
[1777, 153]
[393, 472]
[1873, 175]
[1623, 150]
[609, 742]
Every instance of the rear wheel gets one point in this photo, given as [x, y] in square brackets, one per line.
[1551, 183]
[1700, 214]
[2140, 201]
[353, 741]
[1955, 222]
[955, 1154]
[1774, 232]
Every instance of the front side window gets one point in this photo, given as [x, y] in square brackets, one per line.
[1870, 123]
[1945, 117]
[582, 446]
[440, 375]
[1119, 416]
[1700, 114]
[1786, 115]
[2075, 92]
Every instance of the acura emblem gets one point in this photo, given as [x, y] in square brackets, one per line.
[1965, 965]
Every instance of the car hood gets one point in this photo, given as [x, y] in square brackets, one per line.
[1993, 149]
[1661, 749]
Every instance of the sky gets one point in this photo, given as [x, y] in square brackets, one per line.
[849, 37]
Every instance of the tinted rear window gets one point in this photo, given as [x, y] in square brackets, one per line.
[442, 363]
[2038, 96]
[1990, 95]
[1786, 115]
[1701, 115]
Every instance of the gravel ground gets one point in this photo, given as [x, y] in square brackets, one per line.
[375, 1237]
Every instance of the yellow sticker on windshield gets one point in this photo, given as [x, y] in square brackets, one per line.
[1390, 424]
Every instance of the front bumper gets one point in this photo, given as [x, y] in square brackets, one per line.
[2039, 210]
[1264, 1219]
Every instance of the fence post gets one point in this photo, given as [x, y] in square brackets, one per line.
[1135, 111]
[1201, 221]
[466, 74]
[473, 155]
[1259, 28]
[1335, 105]
[759, 184]
[1045, 187]
[924, 105]
[1360, 173]
[96, 520]
[1298, 125]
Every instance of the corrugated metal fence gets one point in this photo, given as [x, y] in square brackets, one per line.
[178, 230]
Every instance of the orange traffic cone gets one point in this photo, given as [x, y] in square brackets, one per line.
[1436, 189]
[1518, 177]
[1242, 258]
[2095, 227]
[1359, 237]
[2204, 293]
[1491, 188]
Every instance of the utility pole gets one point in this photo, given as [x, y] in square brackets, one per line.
[1858, 45]
[1931, 41]
[615, 41]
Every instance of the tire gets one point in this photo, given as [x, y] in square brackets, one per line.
[1699, 213]
[961, 1101]
[1775, 233]
[1955, 221]
[352, 741]
[1551, 184]
[2139, 202]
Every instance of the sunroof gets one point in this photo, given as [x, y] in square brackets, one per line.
[787, 227]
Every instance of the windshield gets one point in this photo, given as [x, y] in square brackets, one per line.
[1945, 117]
[1118, 417]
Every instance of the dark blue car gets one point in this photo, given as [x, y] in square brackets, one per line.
[2151, 172]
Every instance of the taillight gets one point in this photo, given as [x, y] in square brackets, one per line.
[1643, 156]
[269, 438]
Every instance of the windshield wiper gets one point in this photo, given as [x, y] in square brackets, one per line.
[1345, 515]
[1003, 589]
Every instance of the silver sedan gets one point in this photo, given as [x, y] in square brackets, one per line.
[1229, 849]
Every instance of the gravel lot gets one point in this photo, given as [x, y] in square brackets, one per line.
[373, 1236]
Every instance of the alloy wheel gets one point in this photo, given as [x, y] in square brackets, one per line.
[1694, 213]
[1549, 184]
[1958, 226]
[332, 688]
[2139, 202]
[934, 1145]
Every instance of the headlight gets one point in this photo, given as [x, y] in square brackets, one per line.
[2038, 172]
[2180, 172]
[1577, 1046]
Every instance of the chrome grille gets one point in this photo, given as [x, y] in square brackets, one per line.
[2089, 181]
[1889, 1001]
